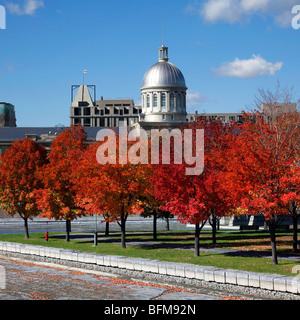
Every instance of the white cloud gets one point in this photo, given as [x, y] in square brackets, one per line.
[233, 11]
[214, 10]
[195, 99]
[6, 68]
[29, 7]
[251, 68]
[254, 5]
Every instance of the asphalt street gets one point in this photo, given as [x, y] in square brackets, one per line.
[87, 224]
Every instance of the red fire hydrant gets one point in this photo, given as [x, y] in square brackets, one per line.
[46, 236]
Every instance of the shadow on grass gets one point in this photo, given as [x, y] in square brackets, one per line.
[185, 241]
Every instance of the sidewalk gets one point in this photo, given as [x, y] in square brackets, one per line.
[158, 270]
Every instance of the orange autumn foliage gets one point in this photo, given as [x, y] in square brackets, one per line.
[19, 180]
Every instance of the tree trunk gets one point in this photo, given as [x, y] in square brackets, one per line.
[68, 230]
[26, 228]
[154, 226]
[197, 239]
[213, 223]
[295, 228]
[123, 229]
[107, 228]
[272, 230]
[167, 224]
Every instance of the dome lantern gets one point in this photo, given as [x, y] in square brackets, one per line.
[163, 54]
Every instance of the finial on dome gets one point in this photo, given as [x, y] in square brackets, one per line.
[163, 51]
[163, 32]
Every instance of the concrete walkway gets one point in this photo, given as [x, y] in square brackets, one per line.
[46, 281]
[274, 284]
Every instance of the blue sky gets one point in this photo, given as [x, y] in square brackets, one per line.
[226, 49]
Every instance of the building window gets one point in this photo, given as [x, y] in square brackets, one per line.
[172, 102]
[148, 101]
[178, 103]
[83, 104]
[155, 100]
[107, 111]
[163, 100]
[77, 112]
[87, 112]
[87, 122]
[126, 110]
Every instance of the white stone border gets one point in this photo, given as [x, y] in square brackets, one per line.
[272, 282]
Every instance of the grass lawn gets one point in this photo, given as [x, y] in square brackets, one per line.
[242, 241]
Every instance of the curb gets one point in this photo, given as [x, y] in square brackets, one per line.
[270, 282]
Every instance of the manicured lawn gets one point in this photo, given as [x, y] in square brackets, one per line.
[242, 241]
[255, 241]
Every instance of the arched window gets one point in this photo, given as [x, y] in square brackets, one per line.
[178, 102]
[172, 102]
[184, 101]
[163, 100]
[155, 100]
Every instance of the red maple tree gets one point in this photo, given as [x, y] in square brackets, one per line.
[116, 190]
[264, 169]
[19, 181]
[57, 199]
[199, 198]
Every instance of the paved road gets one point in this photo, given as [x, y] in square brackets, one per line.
[87, 224]
[31, 281]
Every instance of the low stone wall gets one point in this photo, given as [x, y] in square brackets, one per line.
[259, 284]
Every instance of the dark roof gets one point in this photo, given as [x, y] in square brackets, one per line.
[13, 134]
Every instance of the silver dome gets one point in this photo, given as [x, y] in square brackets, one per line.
[163, 74]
